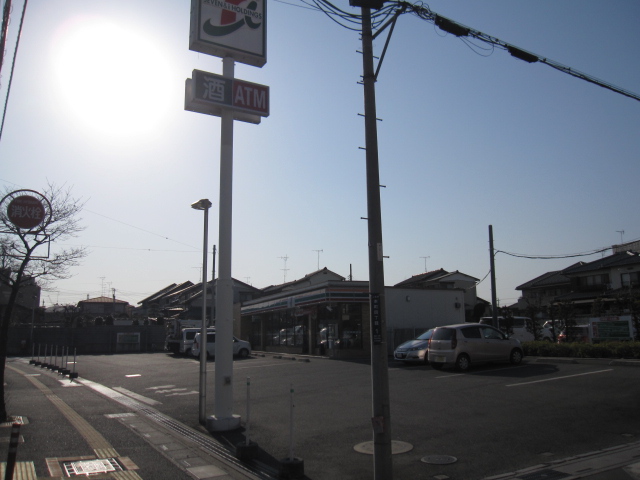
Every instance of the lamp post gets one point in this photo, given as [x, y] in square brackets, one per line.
[205, 205]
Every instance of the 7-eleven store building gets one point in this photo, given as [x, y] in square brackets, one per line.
[312, 317]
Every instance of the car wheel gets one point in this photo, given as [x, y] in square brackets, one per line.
[243, 353]
[463, 362]
[187, 352]
[516, 357]
[437, 366]
[426, 358]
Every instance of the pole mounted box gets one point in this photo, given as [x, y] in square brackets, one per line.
[375, 4]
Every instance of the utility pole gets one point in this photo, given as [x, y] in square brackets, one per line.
[381, 420]
[492, 263]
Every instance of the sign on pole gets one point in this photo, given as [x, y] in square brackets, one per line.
[209, 93]
[234, 28]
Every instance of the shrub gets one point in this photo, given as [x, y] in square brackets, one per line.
[627, 349]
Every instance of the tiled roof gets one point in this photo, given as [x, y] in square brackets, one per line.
[605, 263]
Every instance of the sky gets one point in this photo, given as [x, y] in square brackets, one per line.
[468, 138]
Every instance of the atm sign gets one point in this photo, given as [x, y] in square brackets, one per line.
[216, 90]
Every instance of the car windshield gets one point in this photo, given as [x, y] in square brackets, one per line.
[426, 335]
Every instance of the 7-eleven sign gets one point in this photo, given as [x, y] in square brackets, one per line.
[234, 28]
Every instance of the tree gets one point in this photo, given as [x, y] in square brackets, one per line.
[26, 256]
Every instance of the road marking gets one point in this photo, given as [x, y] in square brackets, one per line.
[133, 375]
[559, 378]
[192, 392]
[140, 398]
[160, 387]
[268, 365]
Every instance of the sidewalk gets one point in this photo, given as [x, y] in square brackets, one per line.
[64, 434]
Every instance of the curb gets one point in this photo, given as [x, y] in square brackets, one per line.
[623, 362]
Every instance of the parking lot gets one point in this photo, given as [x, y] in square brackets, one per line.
[493, 419]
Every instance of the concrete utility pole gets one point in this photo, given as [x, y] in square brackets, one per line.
[492, 263]
[381, 421]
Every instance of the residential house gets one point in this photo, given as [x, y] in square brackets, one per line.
[104, 306]
[604, 281]
[441, 279]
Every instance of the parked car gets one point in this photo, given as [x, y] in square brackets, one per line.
[518, 327]
[180, 341]
[241, 348]
[469, 344]
[416, 350]
[577, 333]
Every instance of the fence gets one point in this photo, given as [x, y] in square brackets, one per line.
[88, 340]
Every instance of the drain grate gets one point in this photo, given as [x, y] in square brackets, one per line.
[91, 467]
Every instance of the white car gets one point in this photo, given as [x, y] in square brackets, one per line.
[416, 350]
[241, 348]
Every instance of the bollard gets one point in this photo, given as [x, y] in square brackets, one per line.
[38, 362]
[13, 450]
[65, 370]
[44, 363]
[291, 467]
[247, 450]
[74, 374]
[54, 361]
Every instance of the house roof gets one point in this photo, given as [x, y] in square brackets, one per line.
[549, 279]
[102, 300]
[433, 276]
[166, 291]
[295, 283]
[158, 293]
[616, 260]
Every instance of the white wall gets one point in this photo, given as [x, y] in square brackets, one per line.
[424, 309]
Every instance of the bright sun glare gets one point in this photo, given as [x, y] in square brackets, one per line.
[112, 79]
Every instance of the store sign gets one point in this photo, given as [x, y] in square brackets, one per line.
[26, 212]
[210, 93]
[235, 28]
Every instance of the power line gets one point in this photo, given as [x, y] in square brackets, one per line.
[353, 21]
[463, 32]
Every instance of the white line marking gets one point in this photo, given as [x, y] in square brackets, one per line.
[160, 387]
[133, 375]
[140, 398]
[559, 378]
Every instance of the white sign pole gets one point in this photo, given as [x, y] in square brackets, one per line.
[223, 418]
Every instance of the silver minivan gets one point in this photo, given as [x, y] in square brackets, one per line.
[465, 344]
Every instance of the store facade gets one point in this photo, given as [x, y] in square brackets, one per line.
[329, 318]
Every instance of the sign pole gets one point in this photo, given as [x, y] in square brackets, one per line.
[223, 418]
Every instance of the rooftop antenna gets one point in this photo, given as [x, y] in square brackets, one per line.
[621, 232]
[318, 251]
[285, 258]
[425, 263]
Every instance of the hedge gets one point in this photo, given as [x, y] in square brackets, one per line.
[628, 350]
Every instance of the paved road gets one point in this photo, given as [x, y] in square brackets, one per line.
[494, 419]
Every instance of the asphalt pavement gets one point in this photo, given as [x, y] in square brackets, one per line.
[70, 428]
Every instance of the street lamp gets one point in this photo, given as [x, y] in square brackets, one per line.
[205, 205]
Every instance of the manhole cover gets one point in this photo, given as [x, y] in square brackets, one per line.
[91, 467]
[397, 447]
[438, 459]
